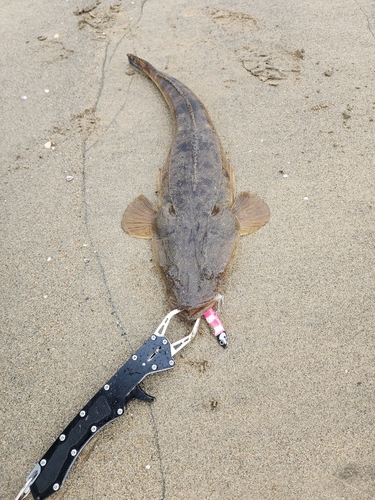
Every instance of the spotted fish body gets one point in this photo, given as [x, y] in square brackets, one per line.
[197, 224]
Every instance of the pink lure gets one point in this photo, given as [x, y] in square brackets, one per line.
[213, 320]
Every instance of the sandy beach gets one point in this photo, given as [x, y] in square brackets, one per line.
[287, 411]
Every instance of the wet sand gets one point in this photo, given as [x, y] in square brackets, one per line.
[287, 411]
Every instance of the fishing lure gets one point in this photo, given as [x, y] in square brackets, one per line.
[213, 320]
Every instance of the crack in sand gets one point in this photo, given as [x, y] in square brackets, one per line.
[141, 14]
[158, 447]
[114, 311]
[113, 119]
[367, 18]
[103, 77]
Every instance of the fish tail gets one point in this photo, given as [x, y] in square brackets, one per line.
[141, 65]
[162, 81]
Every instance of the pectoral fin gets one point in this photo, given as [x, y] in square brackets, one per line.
[251, 212]
[138, 218]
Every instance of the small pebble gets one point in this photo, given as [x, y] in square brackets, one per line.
[45, 296]
[306, 198]
[24, 97]
[148, 467]
[86, 260]
[46, 91]
[56, 36]
[49, 259]
[285, 175]
[69, 177]
[48, 144]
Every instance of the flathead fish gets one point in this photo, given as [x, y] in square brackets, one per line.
[197, 223]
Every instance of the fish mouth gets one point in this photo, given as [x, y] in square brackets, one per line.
[193, 314]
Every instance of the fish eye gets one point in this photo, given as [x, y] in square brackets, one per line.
[207, 273]
[215, 210]
[173, 272]
[171, 277]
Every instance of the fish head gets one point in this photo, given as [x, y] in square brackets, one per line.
[193, 253]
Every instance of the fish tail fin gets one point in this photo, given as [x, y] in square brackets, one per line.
[141, 65]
